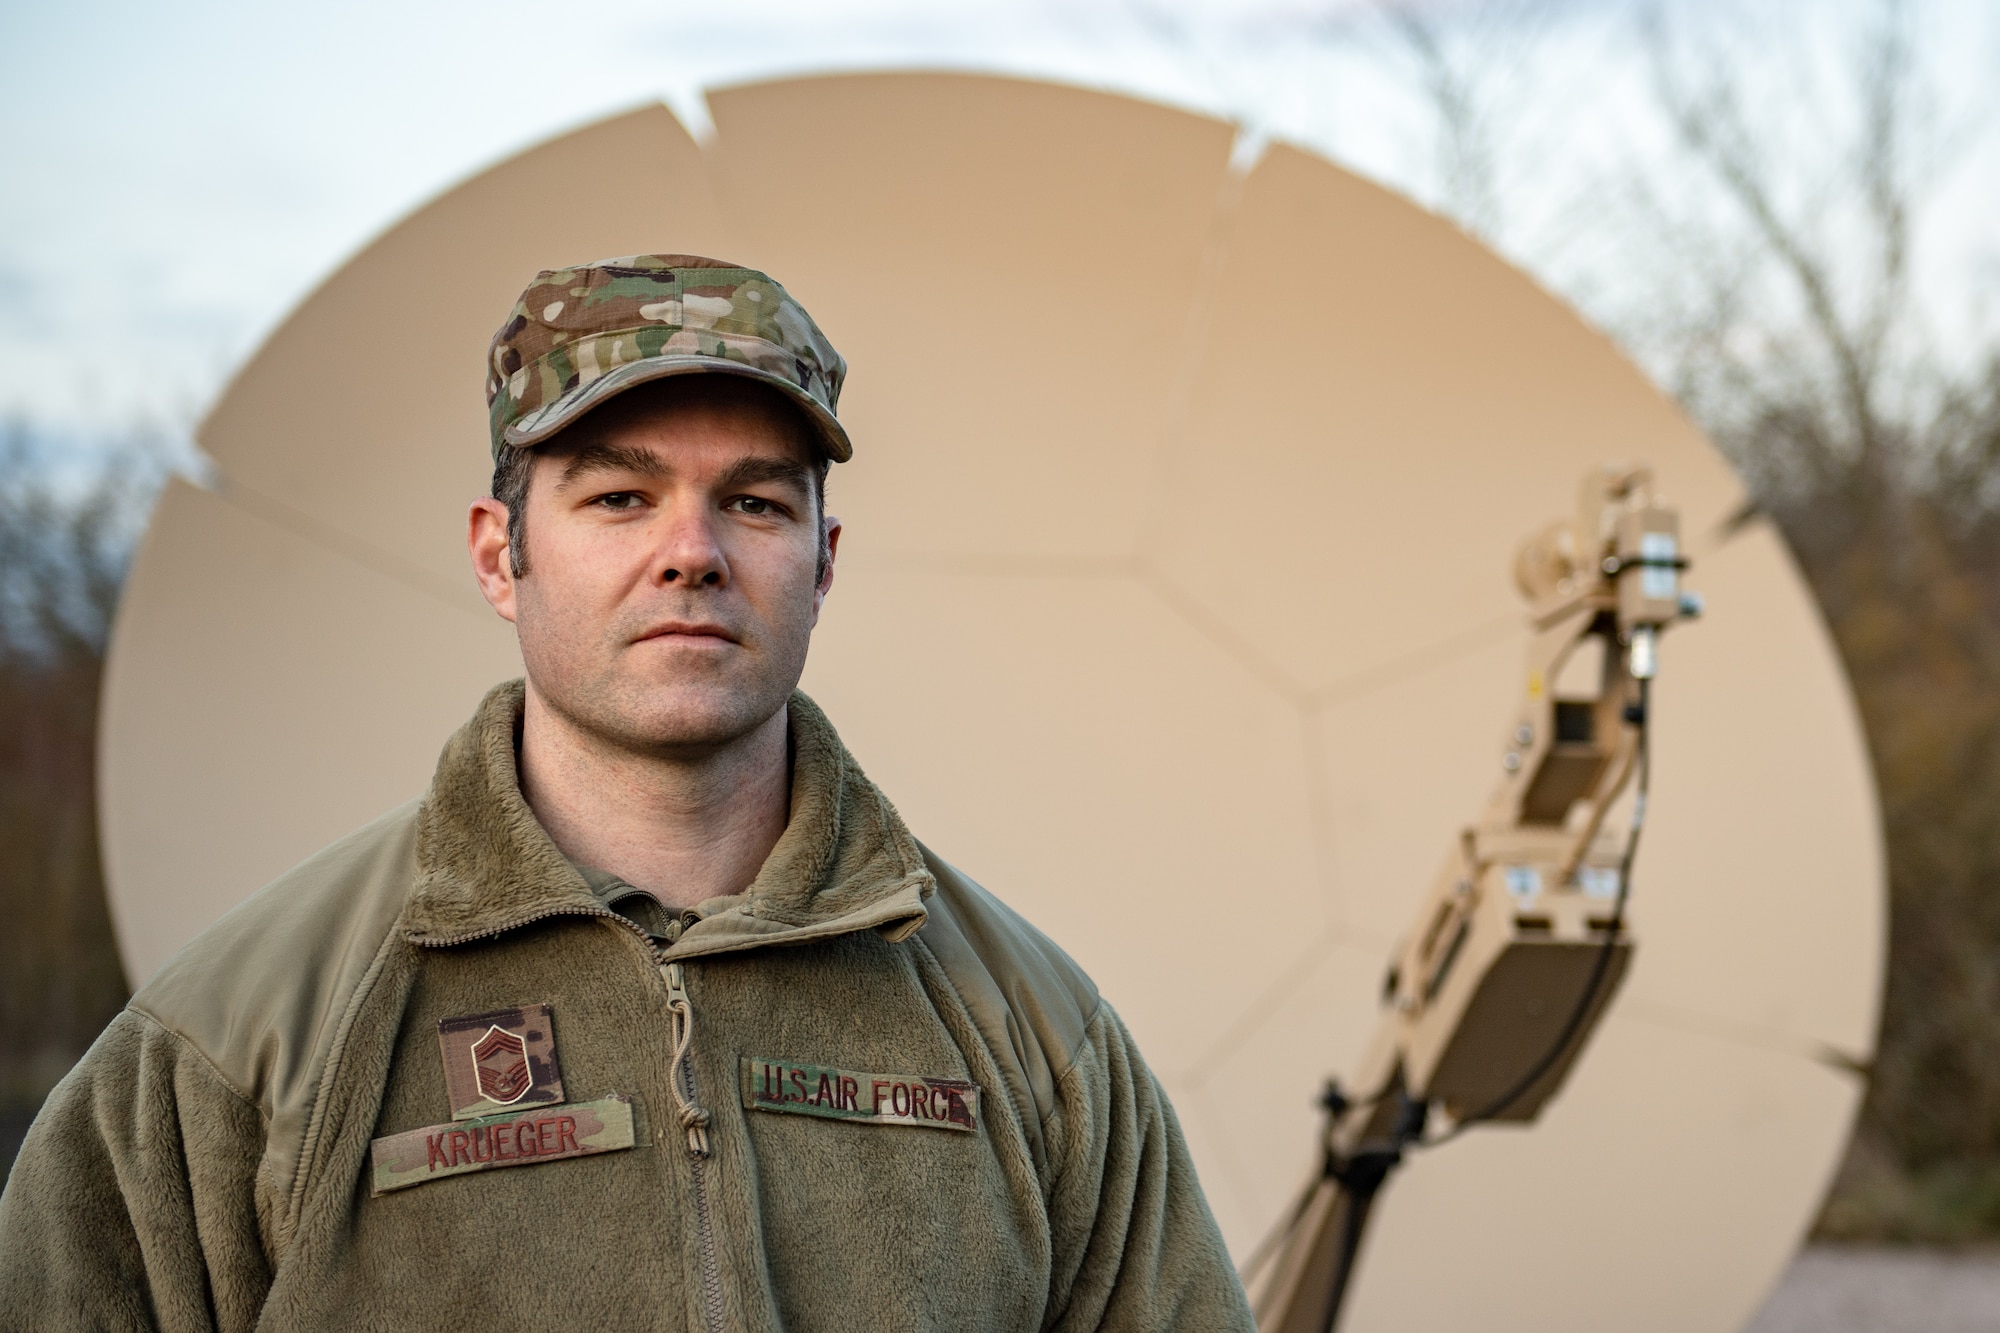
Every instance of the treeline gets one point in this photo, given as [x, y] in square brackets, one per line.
[1902, 547]
[1746, 197]
[66, 529]
[1802, 327]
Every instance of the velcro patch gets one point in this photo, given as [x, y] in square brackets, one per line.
[500, 1061]
[544, 1134]
[870, 1099]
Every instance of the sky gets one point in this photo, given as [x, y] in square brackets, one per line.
[177, 177]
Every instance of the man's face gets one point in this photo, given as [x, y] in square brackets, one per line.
[674, 575]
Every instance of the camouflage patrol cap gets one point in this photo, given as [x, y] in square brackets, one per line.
[579, 336]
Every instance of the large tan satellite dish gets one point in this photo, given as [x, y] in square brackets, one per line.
[1174, 605]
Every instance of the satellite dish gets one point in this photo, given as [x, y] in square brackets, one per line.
[1175, 605]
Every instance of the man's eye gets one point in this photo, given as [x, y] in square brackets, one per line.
[619, 500]
[751, 504]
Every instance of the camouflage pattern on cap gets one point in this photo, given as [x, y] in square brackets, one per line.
[579, 336]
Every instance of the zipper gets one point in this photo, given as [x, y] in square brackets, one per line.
[448, 941]
[694, 1120]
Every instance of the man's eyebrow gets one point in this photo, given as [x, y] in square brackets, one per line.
[751, 471]
[611, 458]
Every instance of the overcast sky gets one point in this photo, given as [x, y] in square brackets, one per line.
[177, 176]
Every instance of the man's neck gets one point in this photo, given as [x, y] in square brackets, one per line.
[685, 830]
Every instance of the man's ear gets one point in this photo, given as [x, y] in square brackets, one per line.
[831, 547]
[492, 562]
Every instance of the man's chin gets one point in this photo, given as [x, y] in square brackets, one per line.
[679, 718]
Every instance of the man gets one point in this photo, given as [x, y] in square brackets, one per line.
[651, 1013]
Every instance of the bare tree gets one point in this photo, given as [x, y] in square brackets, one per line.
[1472, 65]
[1825, 374]
[66, 533]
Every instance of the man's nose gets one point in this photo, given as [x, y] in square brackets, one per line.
[688, 553]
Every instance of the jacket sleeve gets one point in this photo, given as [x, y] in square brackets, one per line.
[132, 1203]
[1135, 1247]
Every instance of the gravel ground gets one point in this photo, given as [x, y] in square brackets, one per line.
[1863, 1289]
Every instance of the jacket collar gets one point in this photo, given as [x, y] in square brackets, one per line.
[845, 861]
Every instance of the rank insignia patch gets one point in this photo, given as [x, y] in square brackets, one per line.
[520, 1139]
[870, 1099]
[502, 1061]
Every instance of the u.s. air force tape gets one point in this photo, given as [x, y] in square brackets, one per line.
[869, 1099]
[522, 1138]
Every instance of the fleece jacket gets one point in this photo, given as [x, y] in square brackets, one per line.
[209, 1163]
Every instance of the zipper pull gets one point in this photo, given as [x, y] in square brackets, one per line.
[693, 1119]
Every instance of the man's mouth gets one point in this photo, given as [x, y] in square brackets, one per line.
[687, 629]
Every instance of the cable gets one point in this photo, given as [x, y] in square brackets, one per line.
[1614, 930]
[1274, 1239]
[1361, 1178]
[1336, 1104]
[1359, 1175]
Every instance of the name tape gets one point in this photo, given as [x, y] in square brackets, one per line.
[544, 1134]
[869, 1099]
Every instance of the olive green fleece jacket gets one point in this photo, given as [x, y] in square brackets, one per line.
[207, 1164]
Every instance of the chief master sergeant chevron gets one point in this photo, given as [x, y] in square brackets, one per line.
[650, 1013]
